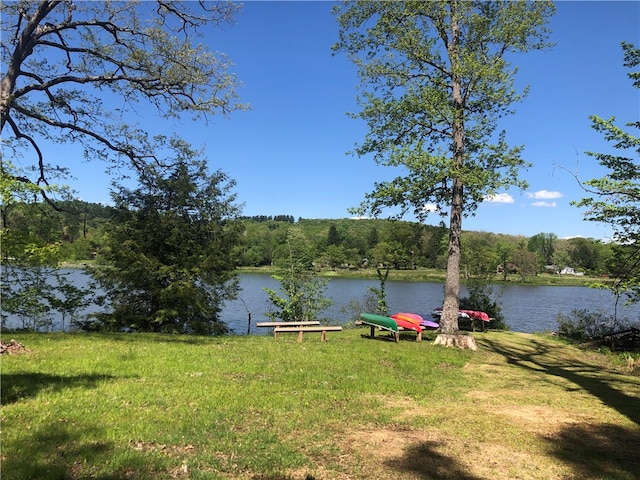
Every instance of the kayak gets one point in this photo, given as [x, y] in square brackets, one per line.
[406, 324]
[476, 315]
[429, 324]
[417, 319]
[408, 317]
[385, 323]
[437, 313]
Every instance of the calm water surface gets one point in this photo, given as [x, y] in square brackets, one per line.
[525, 308]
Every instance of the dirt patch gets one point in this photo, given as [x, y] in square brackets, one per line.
[388, 454]
[12, 347]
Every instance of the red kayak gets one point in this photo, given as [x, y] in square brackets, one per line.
[417, 319]
[476, 315]
[409, 317]
[406, 324]
[472, 314]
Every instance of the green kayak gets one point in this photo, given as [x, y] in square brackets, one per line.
[385, 323]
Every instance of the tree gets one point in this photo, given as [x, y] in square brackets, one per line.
[334, 256]
[333, 237]
[63, 62]
[526, 261]
[478, 257]
[302, 290]
[435, 80]
[615, 198]
[544, 245]
[380, 294]
[504, 252]
[585, 253]
[172, 249]
[30, 254]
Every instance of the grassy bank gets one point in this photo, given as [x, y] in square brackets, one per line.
[116, 406]
[418, 275]
[435, 275]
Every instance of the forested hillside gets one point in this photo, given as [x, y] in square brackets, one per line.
[79, 230]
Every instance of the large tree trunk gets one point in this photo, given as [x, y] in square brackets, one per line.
[449, 319]
[460, 340]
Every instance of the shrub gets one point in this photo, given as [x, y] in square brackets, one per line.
[481, 298]
[599, 328]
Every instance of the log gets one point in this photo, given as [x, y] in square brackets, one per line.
[459, 340]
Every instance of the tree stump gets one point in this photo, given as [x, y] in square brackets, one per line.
[459, 340]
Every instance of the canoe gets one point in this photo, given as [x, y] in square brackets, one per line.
[406, 324]
[408, 317]
[437, 313]
[476, 315]
[472, 314]
[385, 323]
[429, 324]
[418, 319]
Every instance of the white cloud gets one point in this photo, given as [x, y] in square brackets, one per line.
[499, 198]
[544, 204]
[430, 207]
[544, 195]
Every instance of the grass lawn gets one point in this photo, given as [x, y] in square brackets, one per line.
[137, 406]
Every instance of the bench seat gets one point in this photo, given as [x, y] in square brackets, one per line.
[323, 329]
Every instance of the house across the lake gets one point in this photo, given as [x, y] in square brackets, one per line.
[570, 271]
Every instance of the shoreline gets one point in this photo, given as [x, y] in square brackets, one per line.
[418, 275]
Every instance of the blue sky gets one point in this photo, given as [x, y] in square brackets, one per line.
[288, 153]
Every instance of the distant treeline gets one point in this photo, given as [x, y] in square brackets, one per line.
[269, 218]
[81, 227]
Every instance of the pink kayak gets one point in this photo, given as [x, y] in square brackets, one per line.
[409, 317]
[417, 319]
[406, 324]
[473, 314]
[476, 315]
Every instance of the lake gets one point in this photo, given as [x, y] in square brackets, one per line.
[525, 308]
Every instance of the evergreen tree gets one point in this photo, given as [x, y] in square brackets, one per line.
[172, 249]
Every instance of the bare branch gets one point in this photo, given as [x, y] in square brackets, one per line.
[64, 53]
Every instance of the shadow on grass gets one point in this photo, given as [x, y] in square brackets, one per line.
[383, 338]
[50, 452]
[423, 459]
[592, 450]
[18, 386]
[64, 451]
[538, 356]
[598, 451]
[411, 337]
